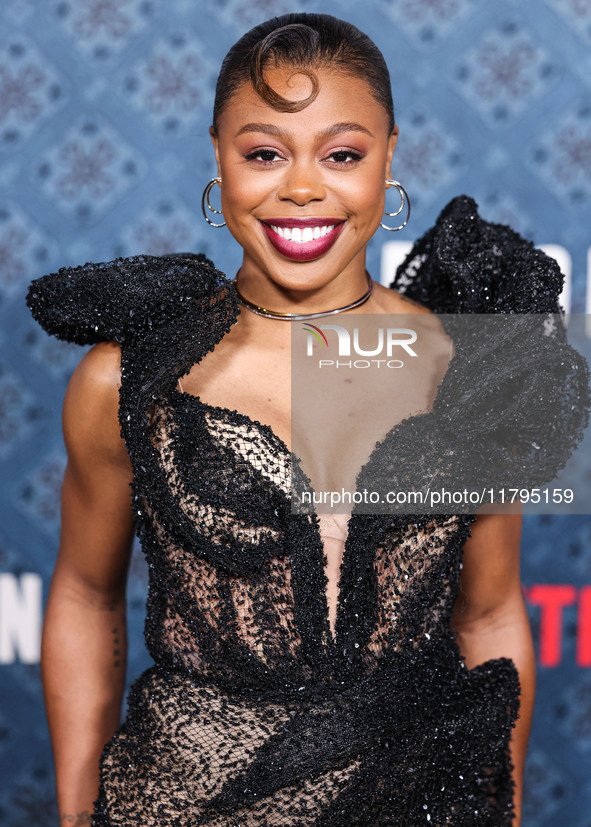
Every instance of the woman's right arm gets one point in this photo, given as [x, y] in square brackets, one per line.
[84, 635]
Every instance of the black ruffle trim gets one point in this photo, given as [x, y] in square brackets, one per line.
[118, 300]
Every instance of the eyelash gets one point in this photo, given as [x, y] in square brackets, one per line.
[355, 156]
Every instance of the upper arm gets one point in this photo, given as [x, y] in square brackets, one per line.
[97, 516]
[490, 583]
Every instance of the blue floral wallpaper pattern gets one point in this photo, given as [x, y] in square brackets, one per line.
[105, 107]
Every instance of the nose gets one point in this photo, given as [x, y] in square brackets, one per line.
[301, 184]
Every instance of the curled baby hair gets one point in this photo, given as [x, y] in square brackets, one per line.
[304, 42]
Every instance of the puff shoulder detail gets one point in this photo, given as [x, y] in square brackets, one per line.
[121, 299]
[464, 264]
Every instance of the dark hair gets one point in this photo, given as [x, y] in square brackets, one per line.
[304, 41]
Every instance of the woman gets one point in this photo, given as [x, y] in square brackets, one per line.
[266, 705]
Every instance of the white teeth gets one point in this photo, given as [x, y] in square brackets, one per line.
[302, 235]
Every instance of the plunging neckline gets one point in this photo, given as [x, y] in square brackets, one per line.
[332, 635]
[314, 521]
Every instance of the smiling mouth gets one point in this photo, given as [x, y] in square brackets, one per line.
[304, 239]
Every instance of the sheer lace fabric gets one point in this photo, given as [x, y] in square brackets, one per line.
[265, 706]
[244, 719]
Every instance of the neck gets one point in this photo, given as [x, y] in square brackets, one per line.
[265, 294]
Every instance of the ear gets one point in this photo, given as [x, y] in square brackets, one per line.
[216, 147]
[391, 147]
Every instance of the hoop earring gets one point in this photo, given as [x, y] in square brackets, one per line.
[404, 199]
[205, 202]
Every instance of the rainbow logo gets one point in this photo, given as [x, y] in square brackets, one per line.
[315, 331]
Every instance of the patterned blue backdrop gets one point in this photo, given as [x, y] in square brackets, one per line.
[104, 151]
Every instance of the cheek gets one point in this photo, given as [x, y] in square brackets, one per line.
[364, 188]
[236, 191]
[367, 196]
[241, 193]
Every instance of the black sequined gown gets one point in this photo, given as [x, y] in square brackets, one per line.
[254, 714]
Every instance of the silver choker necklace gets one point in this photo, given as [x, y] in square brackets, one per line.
[300, 317]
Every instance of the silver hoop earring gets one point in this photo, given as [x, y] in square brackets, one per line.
[404, 199]
[206, 203]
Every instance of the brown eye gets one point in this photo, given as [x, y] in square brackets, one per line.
[343, 156]
[265, 155]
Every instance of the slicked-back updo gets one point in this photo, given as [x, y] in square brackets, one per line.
[304, 42]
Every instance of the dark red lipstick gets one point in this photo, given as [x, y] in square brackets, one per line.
[302, 239]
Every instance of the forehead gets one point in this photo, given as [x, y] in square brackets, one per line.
[342, 96]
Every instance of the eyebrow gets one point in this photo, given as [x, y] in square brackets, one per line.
[329, 132]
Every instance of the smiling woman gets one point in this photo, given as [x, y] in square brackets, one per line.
[320, 669]
[318, 174]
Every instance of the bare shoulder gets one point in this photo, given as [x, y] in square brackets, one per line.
[391, 301]
[91, 406]
[411, 305]
[97, 377]
[433, 336]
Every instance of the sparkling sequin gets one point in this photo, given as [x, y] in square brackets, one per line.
[254, 712]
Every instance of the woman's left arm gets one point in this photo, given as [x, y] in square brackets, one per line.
[491, 620]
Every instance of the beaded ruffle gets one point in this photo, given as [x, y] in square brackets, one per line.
[254, 713]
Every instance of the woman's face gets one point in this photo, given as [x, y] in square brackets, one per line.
[303, 192]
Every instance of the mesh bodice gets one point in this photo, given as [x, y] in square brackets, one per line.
[254, 608]
[263, 706]
[258, 712]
